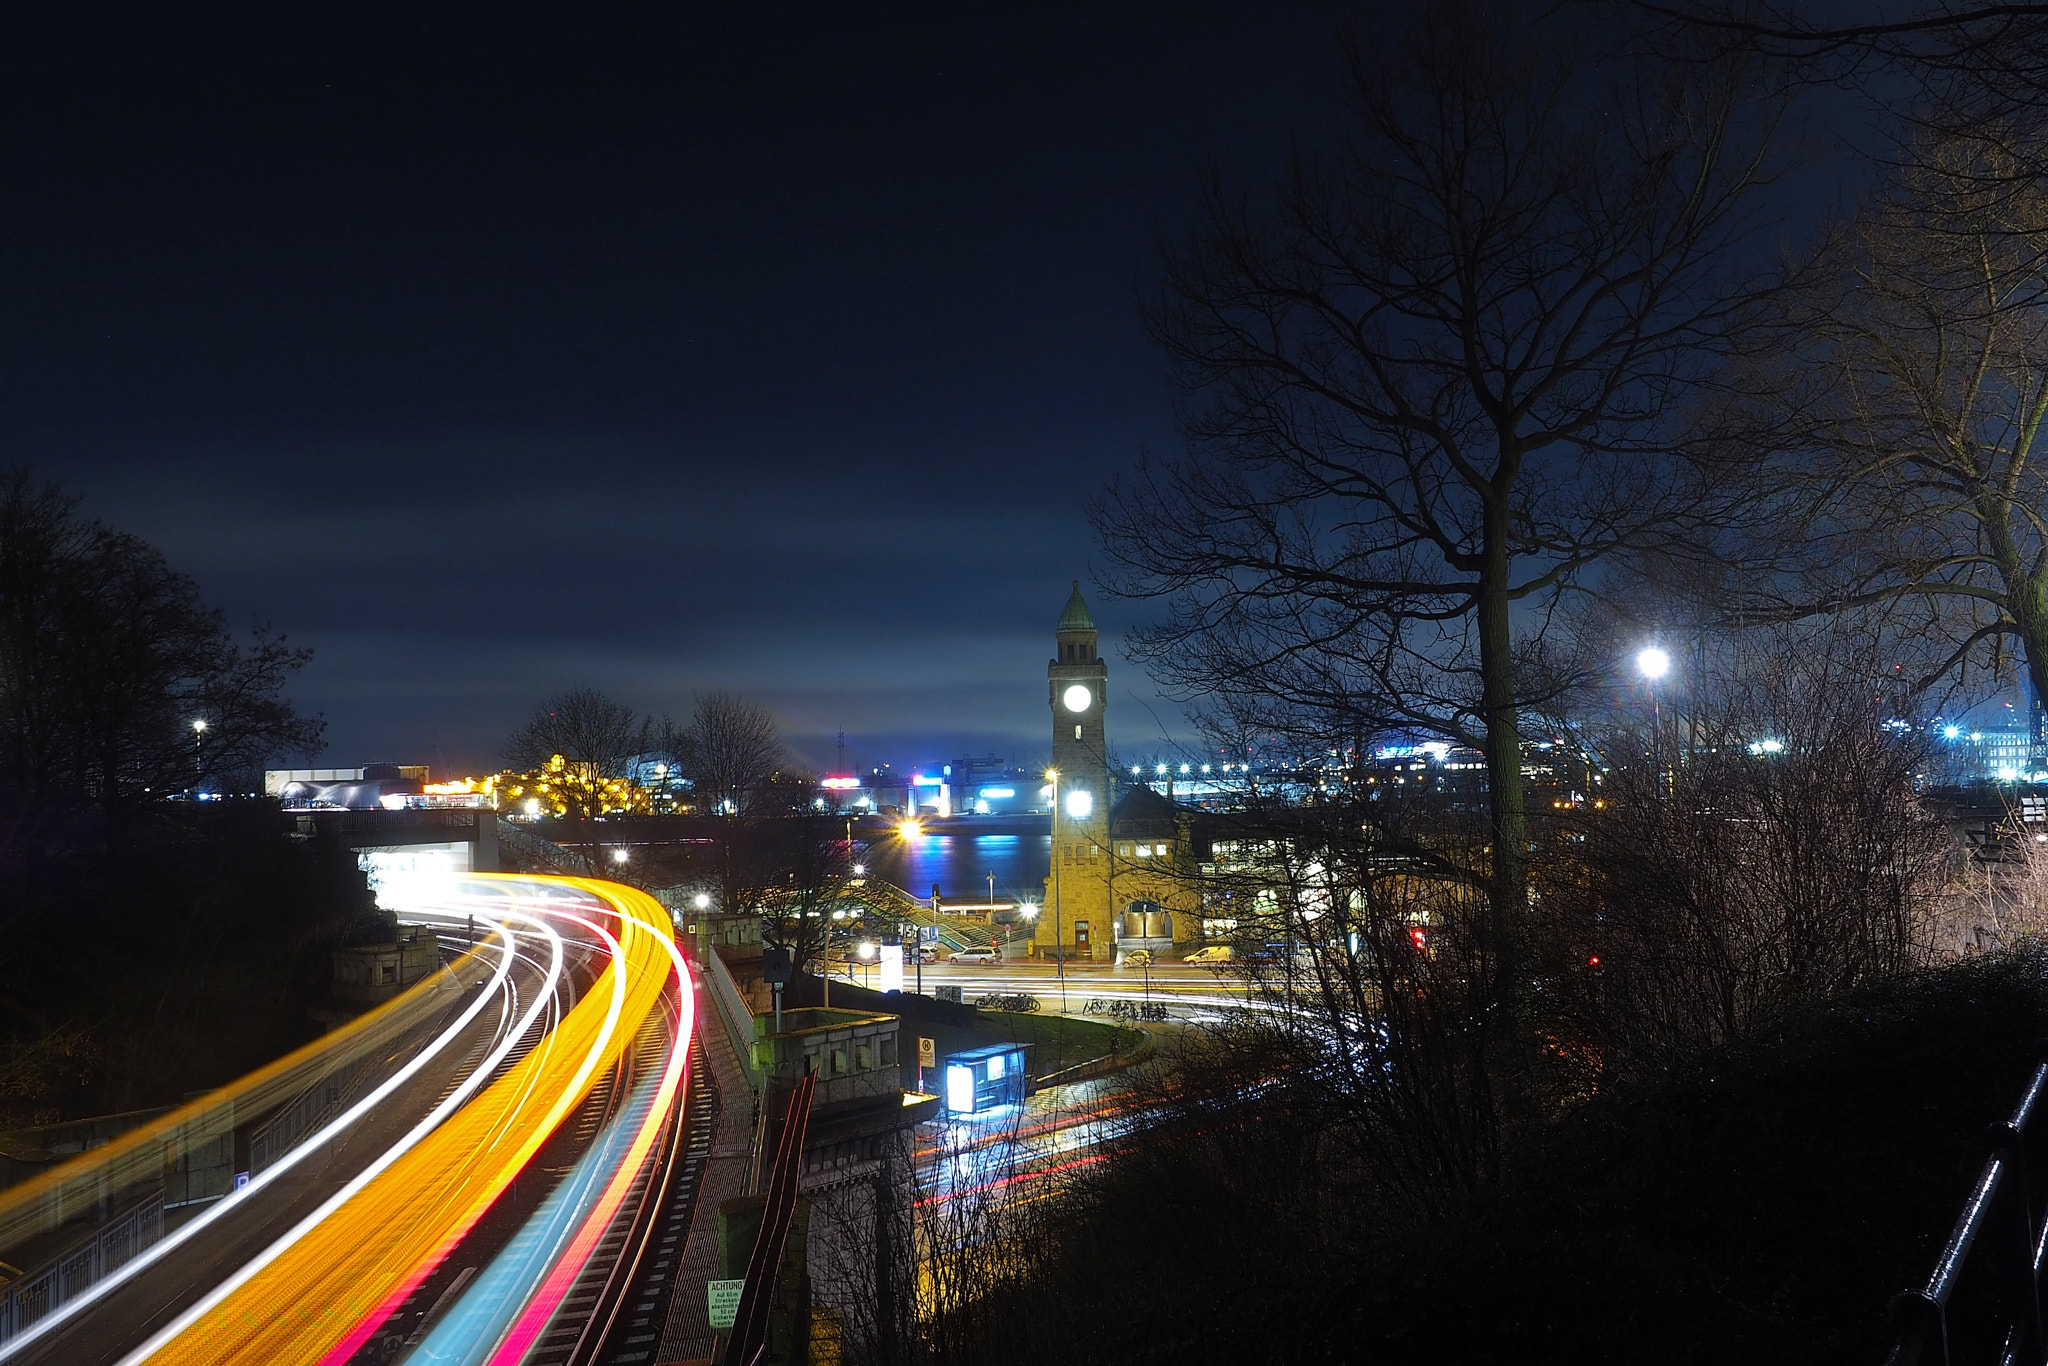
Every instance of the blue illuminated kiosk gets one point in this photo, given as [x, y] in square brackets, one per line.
[981, 1080]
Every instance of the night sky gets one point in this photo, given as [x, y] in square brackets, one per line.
[765, 346]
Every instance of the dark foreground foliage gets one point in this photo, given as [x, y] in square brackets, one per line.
[1762, 1205]
[168, 956]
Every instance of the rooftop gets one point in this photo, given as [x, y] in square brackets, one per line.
[1076, 618]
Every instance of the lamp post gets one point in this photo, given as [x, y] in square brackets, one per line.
[198, 752]
[1653, 663]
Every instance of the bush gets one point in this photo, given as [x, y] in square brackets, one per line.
[1762, 1205]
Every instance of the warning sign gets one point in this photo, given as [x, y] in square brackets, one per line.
[725, 1301]
[927, 1053]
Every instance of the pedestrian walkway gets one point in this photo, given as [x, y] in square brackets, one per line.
[687, 1336]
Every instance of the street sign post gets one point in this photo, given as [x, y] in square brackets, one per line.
[927, 1056]
[724, 1299]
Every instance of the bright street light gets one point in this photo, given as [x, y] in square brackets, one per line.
[1653, 663]
[702, 901]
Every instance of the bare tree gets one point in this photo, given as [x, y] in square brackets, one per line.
[1443, 379]
[731, 751]
[591, 731]
[1360, 923]
[1919, 363]
[804, 871]
[1767, 848]
[116, 683]
[1998, 898]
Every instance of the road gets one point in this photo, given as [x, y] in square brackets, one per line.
[1009, 1152]
[1191, 993]
[449, 1213]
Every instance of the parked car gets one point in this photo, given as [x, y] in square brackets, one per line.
[973, 956]
[1215, 953]
[927, 953]
[1137, 958]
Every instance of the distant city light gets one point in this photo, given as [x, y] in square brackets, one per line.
[1951, 732]
[1767, 747]
[1162, 770]
[860, 870]
[199, 725]
[925, 780]
[995, 793]
[620, 855]
[839, 784]
[1653, 663]
[910, 830]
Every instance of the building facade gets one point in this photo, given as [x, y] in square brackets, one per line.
[1076, 921]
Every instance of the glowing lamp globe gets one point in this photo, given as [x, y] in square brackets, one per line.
[1653, 663]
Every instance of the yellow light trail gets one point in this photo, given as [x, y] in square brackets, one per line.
[318, 1295]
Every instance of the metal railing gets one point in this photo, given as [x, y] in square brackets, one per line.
[318, 1103]
[544, 854]
[70, 1274]
[1983, 1301]
[893, 903]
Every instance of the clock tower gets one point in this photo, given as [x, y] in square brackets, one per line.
[1077, 902]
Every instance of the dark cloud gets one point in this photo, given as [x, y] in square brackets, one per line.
[750, 346]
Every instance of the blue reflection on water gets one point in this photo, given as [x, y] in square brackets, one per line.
[960, 865]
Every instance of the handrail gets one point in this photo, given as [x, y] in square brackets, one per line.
[2001, 1220]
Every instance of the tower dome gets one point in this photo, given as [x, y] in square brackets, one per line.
[1077, 619]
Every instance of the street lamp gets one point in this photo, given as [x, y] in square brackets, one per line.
[1653, 663]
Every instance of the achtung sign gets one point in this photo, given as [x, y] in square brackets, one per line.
[725, 1301]
[927, 1053]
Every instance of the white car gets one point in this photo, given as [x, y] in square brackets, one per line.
[973, 956]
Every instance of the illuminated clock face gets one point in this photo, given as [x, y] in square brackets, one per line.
[1077, 697]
